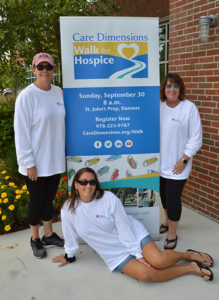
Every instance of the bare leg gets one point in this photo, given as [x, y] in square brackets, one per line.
[35, 231]
[139, 271]
[171, 232]
[163, 259]
[165, 223]
[166, 217]
[48, 228]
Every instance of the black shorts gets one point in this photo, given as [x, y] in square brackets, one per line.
[170, 194]
[42, 192]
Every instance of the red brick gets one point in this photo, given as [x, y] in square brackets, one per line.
[215, 124]
[200, 204]
[199, 53]
[215, 162]
[214, 174]
[206, 178]
[209, 167]
[207, 202]
[210, 129]
[209, 154]
[206, 59]
[212, 209]
[213, 186]
[212, 92]
[206, 72]
[205, 212]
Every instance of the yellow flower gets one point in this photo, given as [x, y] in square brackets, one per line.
[7, 227]
[17, 192]
[24, 187]
[3, 186]
[27, 192]
[4, 217]
[5, 200]
[18, 196]
[11, 184]
[0, 211]
[3, 195]
[7, 177]
[11, 207]
[0, 200]
[4, 172]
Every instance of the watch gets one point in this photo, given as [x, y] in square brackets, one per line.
[70, 259]
[184, 160]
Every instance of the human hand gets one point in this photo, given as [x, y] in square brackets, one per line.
[60, 258]
[32, 173]
[143, 261]
[179, 167]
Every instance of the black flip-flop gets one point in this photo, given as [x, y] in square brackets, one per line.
[169, 242]
[211, 277]
[203, 259]
[162, 226]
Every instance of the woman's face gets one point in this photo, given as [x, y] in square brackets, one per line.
[86, 186]
[172, 91]
[45, 75]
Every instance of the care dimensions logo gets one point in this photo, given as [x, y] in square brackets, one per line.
[102, 56]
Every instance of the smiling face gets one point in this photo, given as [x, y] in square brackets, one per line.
[172, 94]
[86, 192]
[43, 77]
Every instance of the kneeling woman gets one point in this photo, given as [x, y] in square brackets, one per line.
[124, 244]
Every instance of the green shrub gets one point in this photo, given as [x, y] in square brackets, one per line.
[6, 126]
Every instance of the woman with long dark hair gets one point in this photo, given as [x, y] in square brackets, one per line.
[124, 244]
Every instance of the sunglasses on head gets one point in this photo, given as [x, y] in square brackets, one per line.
[85, 182]
[175, 85]
[42, 67]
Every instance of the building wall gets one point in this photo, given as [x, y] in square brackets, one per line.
[198, 64]
[144, 8]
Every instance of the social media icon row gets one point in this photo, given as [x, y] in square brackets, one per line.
[108, 144]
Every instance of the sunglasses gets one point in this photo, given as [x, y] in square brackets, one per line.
[85, 182]
[47, 67]
[168, 86]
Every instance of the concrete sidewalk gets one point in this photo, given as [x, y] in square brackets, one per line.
[23, 277]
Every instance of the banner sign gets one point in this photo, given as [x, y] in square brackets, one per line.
[111, 92]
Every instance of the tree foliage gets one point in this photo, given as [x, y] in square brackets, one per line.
[31, 26]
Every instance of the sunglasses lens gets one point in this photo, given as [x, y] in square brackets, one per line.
[168, 86]
[40, 67]
[85, 182]
[47, 67]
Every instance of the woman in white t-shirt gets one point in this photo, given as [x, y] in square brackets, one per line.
[180, 139]
[124, 244]
[39, 125]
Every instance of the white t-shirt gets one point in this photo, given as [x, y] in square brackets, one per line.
[39, 125]
[104, 225]
[180, 133]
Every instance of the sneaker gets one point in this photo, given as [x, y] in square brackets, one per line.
[37, 248]
[53, 240]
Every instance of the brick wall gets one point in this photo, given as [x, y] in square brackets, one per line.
[198, 64]
[144, 8]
